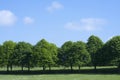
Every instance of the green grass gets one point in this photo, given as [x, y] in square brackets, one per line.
[61, 77]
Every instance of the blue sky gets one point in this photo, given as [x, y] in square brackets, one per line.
[58, 21]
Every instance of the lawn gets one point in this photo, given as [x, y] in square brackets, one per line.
[61, 77]
[69, 76]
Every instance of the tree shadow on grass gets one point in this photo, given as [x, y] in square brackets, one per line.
[83, 71]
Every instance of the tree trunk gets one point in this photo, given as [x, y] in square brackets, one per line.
[94, 67]
[28, 67]
[11, 67]
[49, 67]
[119, 65]
[79, 67]
[43, 67]
[7, 67]
[22, 67]
[71, 67]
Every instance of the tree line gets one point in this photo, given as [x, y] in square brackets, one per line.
[45, 54]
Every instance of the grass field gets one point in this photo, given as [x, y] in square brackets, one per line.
[61, 77]
[86, 73]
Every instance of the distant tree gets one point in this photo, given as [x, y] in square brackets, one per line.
[80, 55]
[59, 56]
[2, 60]
[23, 55]
[94, 44]
[54, 52]
[65, 56]
[8, 50]
[42, 53]
[35, 56]
[46, 53]
[73, 53]
[112, 51]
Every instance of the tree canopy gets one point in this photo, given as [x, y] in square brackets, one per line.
[112, 51]
[94, 44]
[45, 54]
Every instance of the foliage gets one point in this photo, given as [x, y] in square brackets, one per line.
[112, 51]
[74, 53]
[94, 44]
[8, 50]
[23, 54]
[46, 53]
[64, 53]
[70, 54]
[1, 56]
[81, 55]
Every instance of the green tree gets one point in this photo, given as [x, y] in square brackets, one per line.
[73, 53]
[80, 55]
[112, 51]
[23, 55]
[94, 44]
[46, 53]
[60, 61]
[2, 61]
[8, 50]
[65, 56]
[54, 52]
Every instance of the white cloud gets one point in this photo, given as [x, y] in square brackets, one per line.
[86, 24]
[54, 6]
[28, 20]
[7, 18]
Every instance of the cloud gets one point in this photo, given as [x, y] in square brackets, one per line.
[54, 6]
[7, 18]
[86, 24]
[28, 20]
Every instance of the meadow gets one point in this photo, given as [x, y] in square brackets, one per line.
[86, 73]
[61, 77]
